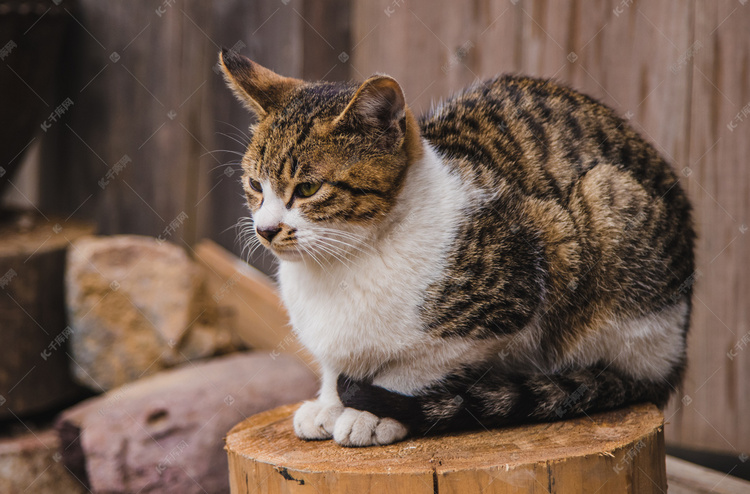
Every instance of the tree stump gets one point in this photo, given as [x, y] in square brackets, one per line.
[612, 452]
[34, 366]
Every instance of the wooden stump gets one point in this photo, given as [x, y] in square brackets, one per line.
[34, 367]
[613, 452]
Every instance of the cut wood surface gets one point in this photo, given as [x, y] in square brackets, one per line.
[613, 452]
[256, 311]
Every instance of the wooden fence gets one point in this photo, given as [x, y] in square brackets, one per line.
[140, 151]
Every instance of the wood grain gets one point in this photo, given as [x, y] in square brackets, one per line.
[688, 478]
[716, 399]
[326, 39]
[619, 451]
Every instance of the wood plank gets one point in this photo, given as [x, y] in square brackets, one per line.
[716, 402]
[131, 118]
[684, 477]
[641, 79]
[158, 61]
[31, 31]
[429, 56]
[269, 32]
[255, 310]
[326, 33]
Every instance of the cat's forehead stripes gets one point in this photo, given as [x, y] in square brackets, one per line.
[284, 141]
[295, 144]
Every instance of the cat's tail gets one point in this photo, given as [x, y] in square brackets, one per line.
[485, 397]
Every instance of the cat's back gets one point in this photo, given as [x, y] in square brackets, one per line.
[540, 136]
[603, 207]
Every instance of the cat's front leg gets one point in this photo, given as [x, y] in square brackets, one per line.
[315, 420]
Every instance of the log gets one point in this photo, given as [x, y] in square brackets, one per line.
[34, 366]
[620, 451]
[136, 306]
[250, 300]
[30, 462]
[163, 433]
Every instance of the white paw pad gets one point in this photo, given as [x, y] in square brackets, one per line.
[357, 428]
[314, 420]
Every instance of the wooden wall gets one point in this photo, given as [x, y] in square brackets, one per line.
[679, 70]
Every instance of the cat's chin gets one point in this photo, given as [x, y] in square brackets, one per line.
[289, 255]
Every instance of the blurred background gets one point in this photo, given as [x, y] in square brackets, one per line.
[116, 119]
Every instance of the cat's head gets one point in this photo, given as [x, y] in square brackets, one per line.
[326, 160]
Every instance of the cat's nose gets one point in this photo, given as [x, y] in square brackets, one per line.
[268, 233]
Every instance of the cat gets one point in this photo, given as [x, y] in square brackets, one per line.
[518, 254]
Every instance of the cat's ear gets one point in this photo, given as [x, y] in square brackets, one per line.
[257, 87]
[378, 109]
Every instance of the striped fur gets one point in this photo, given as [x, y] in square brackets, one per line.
[518, 254]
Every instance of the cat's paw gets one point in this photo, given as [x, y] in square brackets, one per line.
[314, 420]
[357, 428]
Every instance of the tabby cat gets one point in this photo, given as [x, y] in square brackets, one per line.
[518, 254]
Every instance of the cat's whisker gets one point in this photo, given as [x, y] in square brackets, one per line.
[318, 244]
[225, 165]
[234, 138]
[251, 247]
[239, 234]
[349, 255]
[309, 248]
[230, 151]
[330, 253]
[343, 245]
[352, 241]
[344, 234]
[256, 247]
[235, 128]
[241, 225]
[247, 238]
[333, 251]
[312, 255]
[339, 246]
[300, 251]
[359, 240]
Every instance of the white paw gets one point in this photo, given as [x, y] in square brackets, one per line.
[357, 428]
[315, 420]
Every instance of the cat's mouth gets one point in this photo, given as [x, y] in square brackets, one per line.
[285, 252]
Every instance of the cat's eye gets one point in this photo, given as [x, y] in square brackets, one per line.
[255, 185]
[307, 189]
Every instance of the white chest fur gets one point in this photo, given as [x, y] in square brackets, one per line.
[361, 316]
